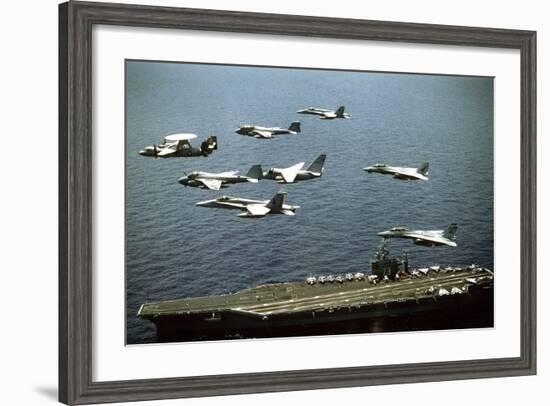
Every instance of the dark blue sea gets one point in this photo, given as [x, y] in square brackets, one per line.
[175, 249]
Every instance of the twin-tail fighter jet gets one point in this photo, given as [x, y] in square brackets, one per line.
[253, 208]
[420, 173]
[296, 173]
[326, 114]
[214, 181]
[268, 132]
[429, 238]
[177, 145]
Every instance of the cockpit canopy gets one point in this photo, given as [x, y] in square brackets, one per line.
[399, 229]
[380, 165]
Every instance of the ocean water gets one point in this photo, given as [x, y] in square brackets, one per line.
[175, 249]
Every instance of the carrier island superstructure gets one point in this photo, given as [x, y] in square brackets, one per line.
[392, 297]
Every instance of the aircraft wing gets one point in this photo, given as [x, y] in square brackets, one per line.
[212, 184]
[289, 174]
[257, 210]
[262, 134]
[166, 151]
[329, 114]
[437, 240]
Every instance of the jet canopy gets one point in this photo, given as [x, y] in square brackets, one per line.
[399, 229]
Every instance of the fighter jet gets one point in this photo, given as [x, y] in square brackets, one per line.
[177, 145]
[296, 173]
[326, 114]
[268, 132]
[429, 238]
[214, 181]
[252, 208]
[401, 173]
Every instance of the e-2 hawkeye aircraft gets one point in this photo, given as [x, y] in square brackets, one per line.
[214, 181]
[326, 114]
[429, 238]
[252, 208]
[177, 145]
[295, 173]
[420, 173]
[268, 132]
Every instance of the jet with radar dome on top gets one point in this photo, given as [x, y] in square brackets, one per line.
[178, 145]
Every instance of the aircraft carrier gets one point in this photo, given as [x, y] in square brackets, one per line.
[391, 297]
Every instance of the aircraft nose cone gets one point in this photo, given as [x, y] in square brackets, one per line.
[183, 180]
[384, 233]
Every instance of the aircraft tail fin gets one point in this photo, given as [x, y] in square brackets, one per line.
[318, 165]
[255, 172]
[295, 126]
[450, 231]
[423, 169]
[340, 111]
[276, 203]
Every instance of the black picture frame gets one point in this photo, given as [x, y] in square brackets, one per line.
[76, 20]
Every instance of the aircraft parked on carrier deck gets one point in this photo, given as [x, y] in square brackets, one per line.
[429, 238]
[214, 181]
[253, 208]
[268, 132]
[326, 114]
[177, 145]
[420, 173]
[295, 173]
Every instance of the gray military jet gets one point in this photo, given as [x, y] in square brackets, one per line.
[420, 173]
[268, 132]
[429, 238]
[214, 181]
[177, 145]
[253, 208]
[295, 173]
[326, 114]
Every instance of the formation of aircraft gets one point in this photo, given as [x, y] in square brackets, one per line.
[251, 207]
[326, 114]
[268, 132]
[214, 181]
[430, 238]
[177, 145]
[420, 173]
[295, 173]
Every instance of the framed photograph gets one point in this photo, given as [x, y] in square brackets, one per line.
[378, 181]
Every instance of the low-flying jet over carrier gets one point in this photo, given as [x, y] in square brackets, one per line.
[420, 173]
[252, 208]
[177, 145]
[429, 238]
[214, 181]
[295, 173]
[326, 114]
[268, 132]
